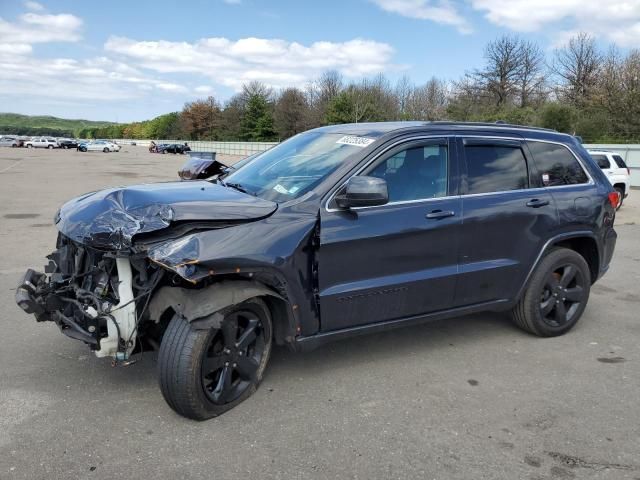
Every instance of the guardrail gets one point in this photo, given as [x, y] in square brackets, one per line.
[228, 148]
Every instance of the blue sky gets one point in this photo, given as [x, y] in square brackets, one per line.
[132, 60]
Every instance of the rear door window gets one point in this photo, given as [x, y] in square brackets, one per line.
[495, 168]
[557, 165]
[602, 161]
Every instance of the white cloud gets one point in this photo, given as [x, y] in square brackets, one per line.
[36, 28]
[439, 11]
[203, 90]
[233, 2]
[34, 6]
[613, 20]
[276, 62]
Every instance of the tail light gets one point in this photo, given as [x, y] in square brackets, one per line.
[614, 199]
[628, 171]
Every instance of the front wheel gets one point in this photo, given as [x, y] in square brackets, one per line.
[105, 150]
[556, 295]
[204, 373]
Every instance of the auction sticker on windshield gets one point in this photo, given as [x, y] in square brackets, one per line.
[356, 141]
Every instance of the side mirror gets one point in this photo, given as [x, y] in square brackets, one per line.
[363, 192]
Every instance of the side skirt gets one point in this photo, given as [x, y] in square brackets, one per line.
[314, 341]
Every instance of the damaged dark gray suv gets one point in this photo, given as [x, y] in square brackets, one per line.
[338, 231]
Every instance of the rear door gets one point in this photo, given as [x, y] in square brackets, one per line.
[395, 260]
[507, 218]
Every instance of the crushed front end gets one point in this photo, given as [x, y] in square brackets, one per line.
[92, 295]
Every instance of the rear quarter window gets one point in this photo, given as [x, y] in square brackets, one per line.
[556, 164]
[619, 161]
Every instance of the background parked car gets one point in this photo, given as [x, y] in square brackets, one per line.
[68, 143]
[99, 146]
[173, 148]
[41, 142]
[8, 142]
[616, 170]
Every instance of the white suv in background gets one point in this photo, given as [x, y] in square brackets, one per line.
[616, 171]
[41, 143]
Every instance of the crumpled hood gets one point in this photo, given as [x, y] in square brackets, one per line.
[110, 218]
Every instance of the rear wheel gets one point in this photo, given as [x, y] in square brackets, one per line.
[29, 145]
[105, 150]
[620, 191]
[556, 295]
[50, 147]
[204, 373]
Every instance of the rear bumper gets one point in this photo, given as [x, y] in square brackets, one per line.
[608, 247]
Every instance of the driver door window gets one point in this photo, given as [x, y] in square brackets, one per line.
[414, 173]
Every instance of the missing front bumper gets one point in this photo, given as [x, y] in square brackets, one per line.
[110, 332]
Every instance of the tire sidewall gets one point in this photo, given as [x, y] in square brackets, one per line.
[197, 341]
[553, 260]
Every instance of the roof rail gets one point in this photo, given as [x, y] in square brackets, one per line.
[497, 124]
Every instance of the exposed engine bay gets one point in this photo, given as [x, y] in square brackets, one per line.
[95, 296]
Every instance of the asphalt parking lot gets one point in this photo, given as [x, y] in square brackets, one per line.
[469, 398]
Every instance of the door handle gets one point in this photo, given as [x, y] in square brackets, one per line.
[537, 203]
[438, 214]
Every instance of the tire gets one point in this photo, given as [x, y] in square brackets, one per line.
[185, 353]
[560, 283]
[620, 191]
[105, 149]
[83, 149]
[50, 147]
[29, 145]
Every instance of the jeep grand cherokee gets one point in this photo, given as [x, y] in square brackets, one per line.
[338, 231]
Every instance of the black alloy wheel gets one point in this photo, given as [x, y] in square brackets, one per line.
[233, 356]
[556, 295]
[205, 372]
[563, 293]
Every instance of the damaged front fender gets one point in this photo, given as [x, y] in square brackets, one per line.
[200, 306]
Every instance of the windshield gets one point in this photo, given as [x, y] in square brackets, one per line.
[295, 166]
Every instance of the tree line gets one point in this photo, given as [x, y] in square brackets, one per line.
[578, 89]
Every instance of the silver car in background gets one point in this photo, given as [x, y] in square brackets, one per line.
[9, 142]
[99, 146]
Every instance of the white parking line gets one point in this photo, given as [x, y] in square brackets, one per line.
[10, 166]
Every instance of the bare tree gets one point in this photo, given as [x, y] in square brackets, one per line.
[320, 93]
[500, 76]
[530, 75]
[577, 65]
[291, 112]
[404, 89]
[428, 101]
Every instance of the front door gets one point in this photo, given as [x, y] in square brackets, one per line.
[395, 260]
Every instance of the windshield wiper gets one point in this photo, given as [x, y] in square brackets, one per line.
[237, 186]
